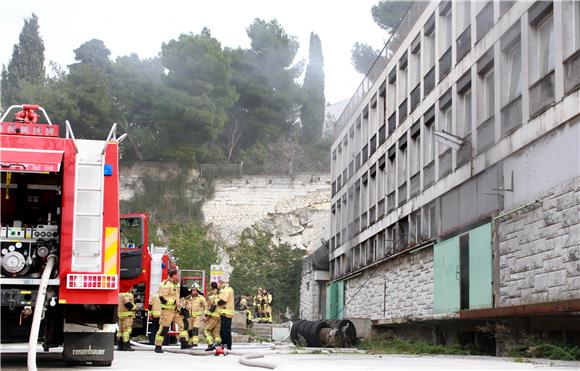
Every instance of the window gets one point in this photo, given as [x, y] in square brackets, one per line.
[489, 96]
[403, 165]
[514, 68]
[428, 144]
[445, 123]
[464, 115]
[391, 175]
[392, 98]
[415, 68]
[429, 52]
[445, 33]
[545, 51]
[415, 230]
[402, 84]
[571, 34]
[415, 154]
[431, 221]
[390, 240]
[463, 16]
[380, 245]
[380, 184]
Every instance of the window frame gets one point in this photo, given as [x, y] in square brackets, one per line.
[489, 104]
[429, 145]
[402, 166]
[512, 61]
[540, 48]
[430, 53]
[465, 118]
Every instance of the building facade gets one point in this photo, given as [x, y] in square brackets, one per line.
[456, 175]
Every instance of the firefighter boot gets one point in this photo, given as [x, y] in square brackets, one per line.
[185, 344]
[121, 345]
[127, 347]
[158, 349]
[210, 347]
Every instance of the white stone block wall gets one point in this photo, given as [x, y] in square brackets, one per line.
[309, 293]
[540, 249]
[295, 209]
[399, 288]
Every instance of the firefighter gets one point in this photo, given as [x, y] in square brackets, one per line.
[246, 308]
[258, 305]
[182, 318]
[226, 304]
[126, 314]
[154, 313]
[267, 300]
[197, 306]
[212, 323]
[169, 298]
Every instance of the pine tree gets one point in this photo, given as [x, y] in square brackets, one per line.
[312, 112]
[27, 62]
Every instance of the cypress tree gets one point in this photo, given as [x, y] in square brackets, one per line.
[312, 112]
[27, 62]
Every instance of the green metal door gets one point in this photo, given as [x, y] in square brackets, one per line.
[480, 267]
[340, 300]
[335, 300]
[446, 270]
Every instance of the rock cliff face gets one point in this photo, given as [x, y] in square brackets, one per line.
[296, 210]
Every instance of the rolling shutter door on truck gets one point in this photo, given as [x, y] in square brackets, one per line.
[30, 160]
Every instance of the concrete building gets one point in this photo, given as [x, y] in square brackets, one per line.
[456, 177]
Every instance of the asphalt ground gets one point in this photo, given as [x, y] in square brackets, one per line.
[287, 358]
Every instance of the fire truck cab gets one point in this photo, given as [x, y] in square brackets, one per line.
[59, 204]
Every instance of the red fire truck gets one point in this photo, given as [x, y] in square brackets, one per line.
[143, 266]
[59, 237]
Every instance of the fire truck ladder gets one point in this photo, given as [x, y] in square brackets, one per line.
[88, 213]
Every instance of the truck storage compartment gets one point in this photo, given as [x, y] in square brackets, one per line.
[30, 217]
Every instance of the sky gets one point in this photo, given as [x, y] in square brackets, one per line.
[130, 26]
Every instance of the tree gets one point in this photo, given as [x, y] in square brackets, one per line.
[312, 112]
[93, 52]
[26, 64]
[264, 78]
[192, 246]
[387, 14]
[362, 57]
[259, 262]
[197, 94]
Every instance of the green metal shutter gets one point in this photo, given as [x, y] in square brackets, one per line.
[335, 300]
[330, 300]
[446, 285]
[480, 267]
[340, 300]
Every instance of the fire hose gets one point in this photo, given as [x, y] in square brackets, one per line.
[38, 309]
[246, 359]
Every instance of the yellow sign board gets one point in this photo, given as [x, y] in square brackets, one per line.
[216, 272]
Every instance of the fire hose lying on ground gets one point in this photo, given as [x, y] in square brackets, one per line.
[246, 359]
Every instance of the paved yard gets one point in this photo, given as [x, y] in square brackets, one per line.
[287, 359]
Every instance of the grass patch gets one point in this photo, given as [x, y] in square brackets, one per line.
[538, 349]
[397, 346]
